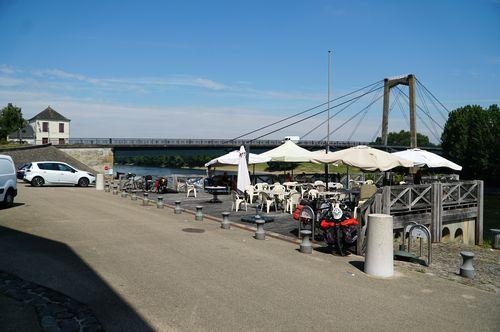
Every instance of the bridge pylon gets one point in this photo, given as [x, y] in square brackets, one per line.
[389, 83]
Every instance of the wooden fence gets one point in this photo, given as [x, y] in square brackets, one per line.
[428, 204]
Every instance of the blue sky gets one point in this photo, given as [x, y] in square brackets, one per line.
[220, 68]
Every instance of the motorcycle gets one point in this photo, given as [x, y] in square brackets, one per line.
[161, 185]
[340, 230]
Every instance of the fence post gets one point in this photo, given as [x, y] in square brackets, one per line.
[479, 217]
[377, 203]
[436, 211]
[386, 200]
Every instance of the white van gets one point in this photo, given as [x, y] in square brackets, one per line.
[8, 185]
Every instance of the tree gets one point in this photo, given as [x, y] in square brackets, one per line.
[11, 119]
[470, 138]
[403, 139]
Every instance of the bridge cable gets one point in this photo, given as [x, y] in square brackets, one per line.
[355, 115]
[360, 120]
[401, 108]
[374, 136]
[440, 103]
[429, 97]
[301, 112]
[419, 94]
[421, 119]
[418, 107]
[310, 116]
[332, 116]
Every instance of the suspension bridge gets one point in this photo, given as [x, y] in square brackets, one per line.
[353, 107]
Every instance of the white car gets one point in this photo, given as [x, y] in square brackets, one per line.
[8, 184]
[56, 172]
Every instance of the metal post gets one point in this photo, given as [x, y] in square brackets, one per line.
[479, 218]
[467, 268]
[436, 211]
[260, 234]
[225, 224]
[145, 200]
[177, 209]
[327, 145]
[386, 200]
[305, 245]
[159, 202]
[199, 214]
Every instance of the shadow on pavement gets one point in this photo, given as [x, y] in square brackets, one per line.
[360, 265]
[13, 206]
[55, 265]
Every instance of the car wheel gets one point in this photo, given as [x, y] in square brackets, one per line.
[8, 200]
[83, 182]
[37, 181]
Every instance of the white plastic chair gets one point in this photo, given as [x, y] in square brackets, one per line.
[292, 202]
[313, 194]
[190, 188]
[237, 201]
[268, 201]
[251, 193]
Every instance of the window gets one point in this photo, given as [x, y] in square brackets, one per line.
[61, 127]
[45, 127]
[45, 140]
[48, 166]
[64, 168]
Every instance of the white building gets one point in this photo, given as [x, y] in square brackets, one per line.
[46, 127]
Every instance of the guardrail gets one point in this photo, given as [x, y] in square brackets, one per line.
[202, 142]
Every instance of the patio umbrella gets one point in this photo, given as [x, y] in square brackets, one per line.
[233, 158]
[289, 152]
[429, 159]
[363, 157]
[243, 176]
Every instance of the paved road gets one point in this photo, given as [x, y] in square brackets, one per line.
[139, 271]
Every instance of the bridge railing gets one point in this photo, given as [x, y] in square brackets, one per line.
[201, 142]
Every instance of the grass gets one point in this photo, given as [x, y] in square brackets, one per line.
[11, 145]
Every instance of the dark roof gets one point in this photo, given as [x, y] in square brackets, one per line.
[49, 114]
[25, 132]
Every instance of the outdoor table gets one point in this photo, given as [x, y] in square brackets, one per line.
[216, 190]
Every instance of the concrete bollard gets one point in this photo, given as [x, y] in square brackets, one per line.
[495, 237]
[124, 193]
[133, 196]
[177, 207]
[107, 187]
[115, 189]
[225, 224]
[379, 257]
[260, 234]
[159, 202]
[145, 200]
[99, 182]
[306, 245]
[467, 268]
[199, 214]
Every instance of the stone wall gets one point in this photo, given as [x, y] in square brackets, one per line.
[28, 154]
[96, 158]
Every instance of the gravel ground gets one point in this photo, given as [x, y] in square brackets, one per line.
[446, 261]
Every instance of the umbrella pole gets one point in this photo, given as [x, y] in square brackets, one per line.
[326, 175]
[254, 180]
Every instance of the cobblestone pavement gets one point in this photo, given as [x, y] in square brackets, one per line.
[56, 312]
